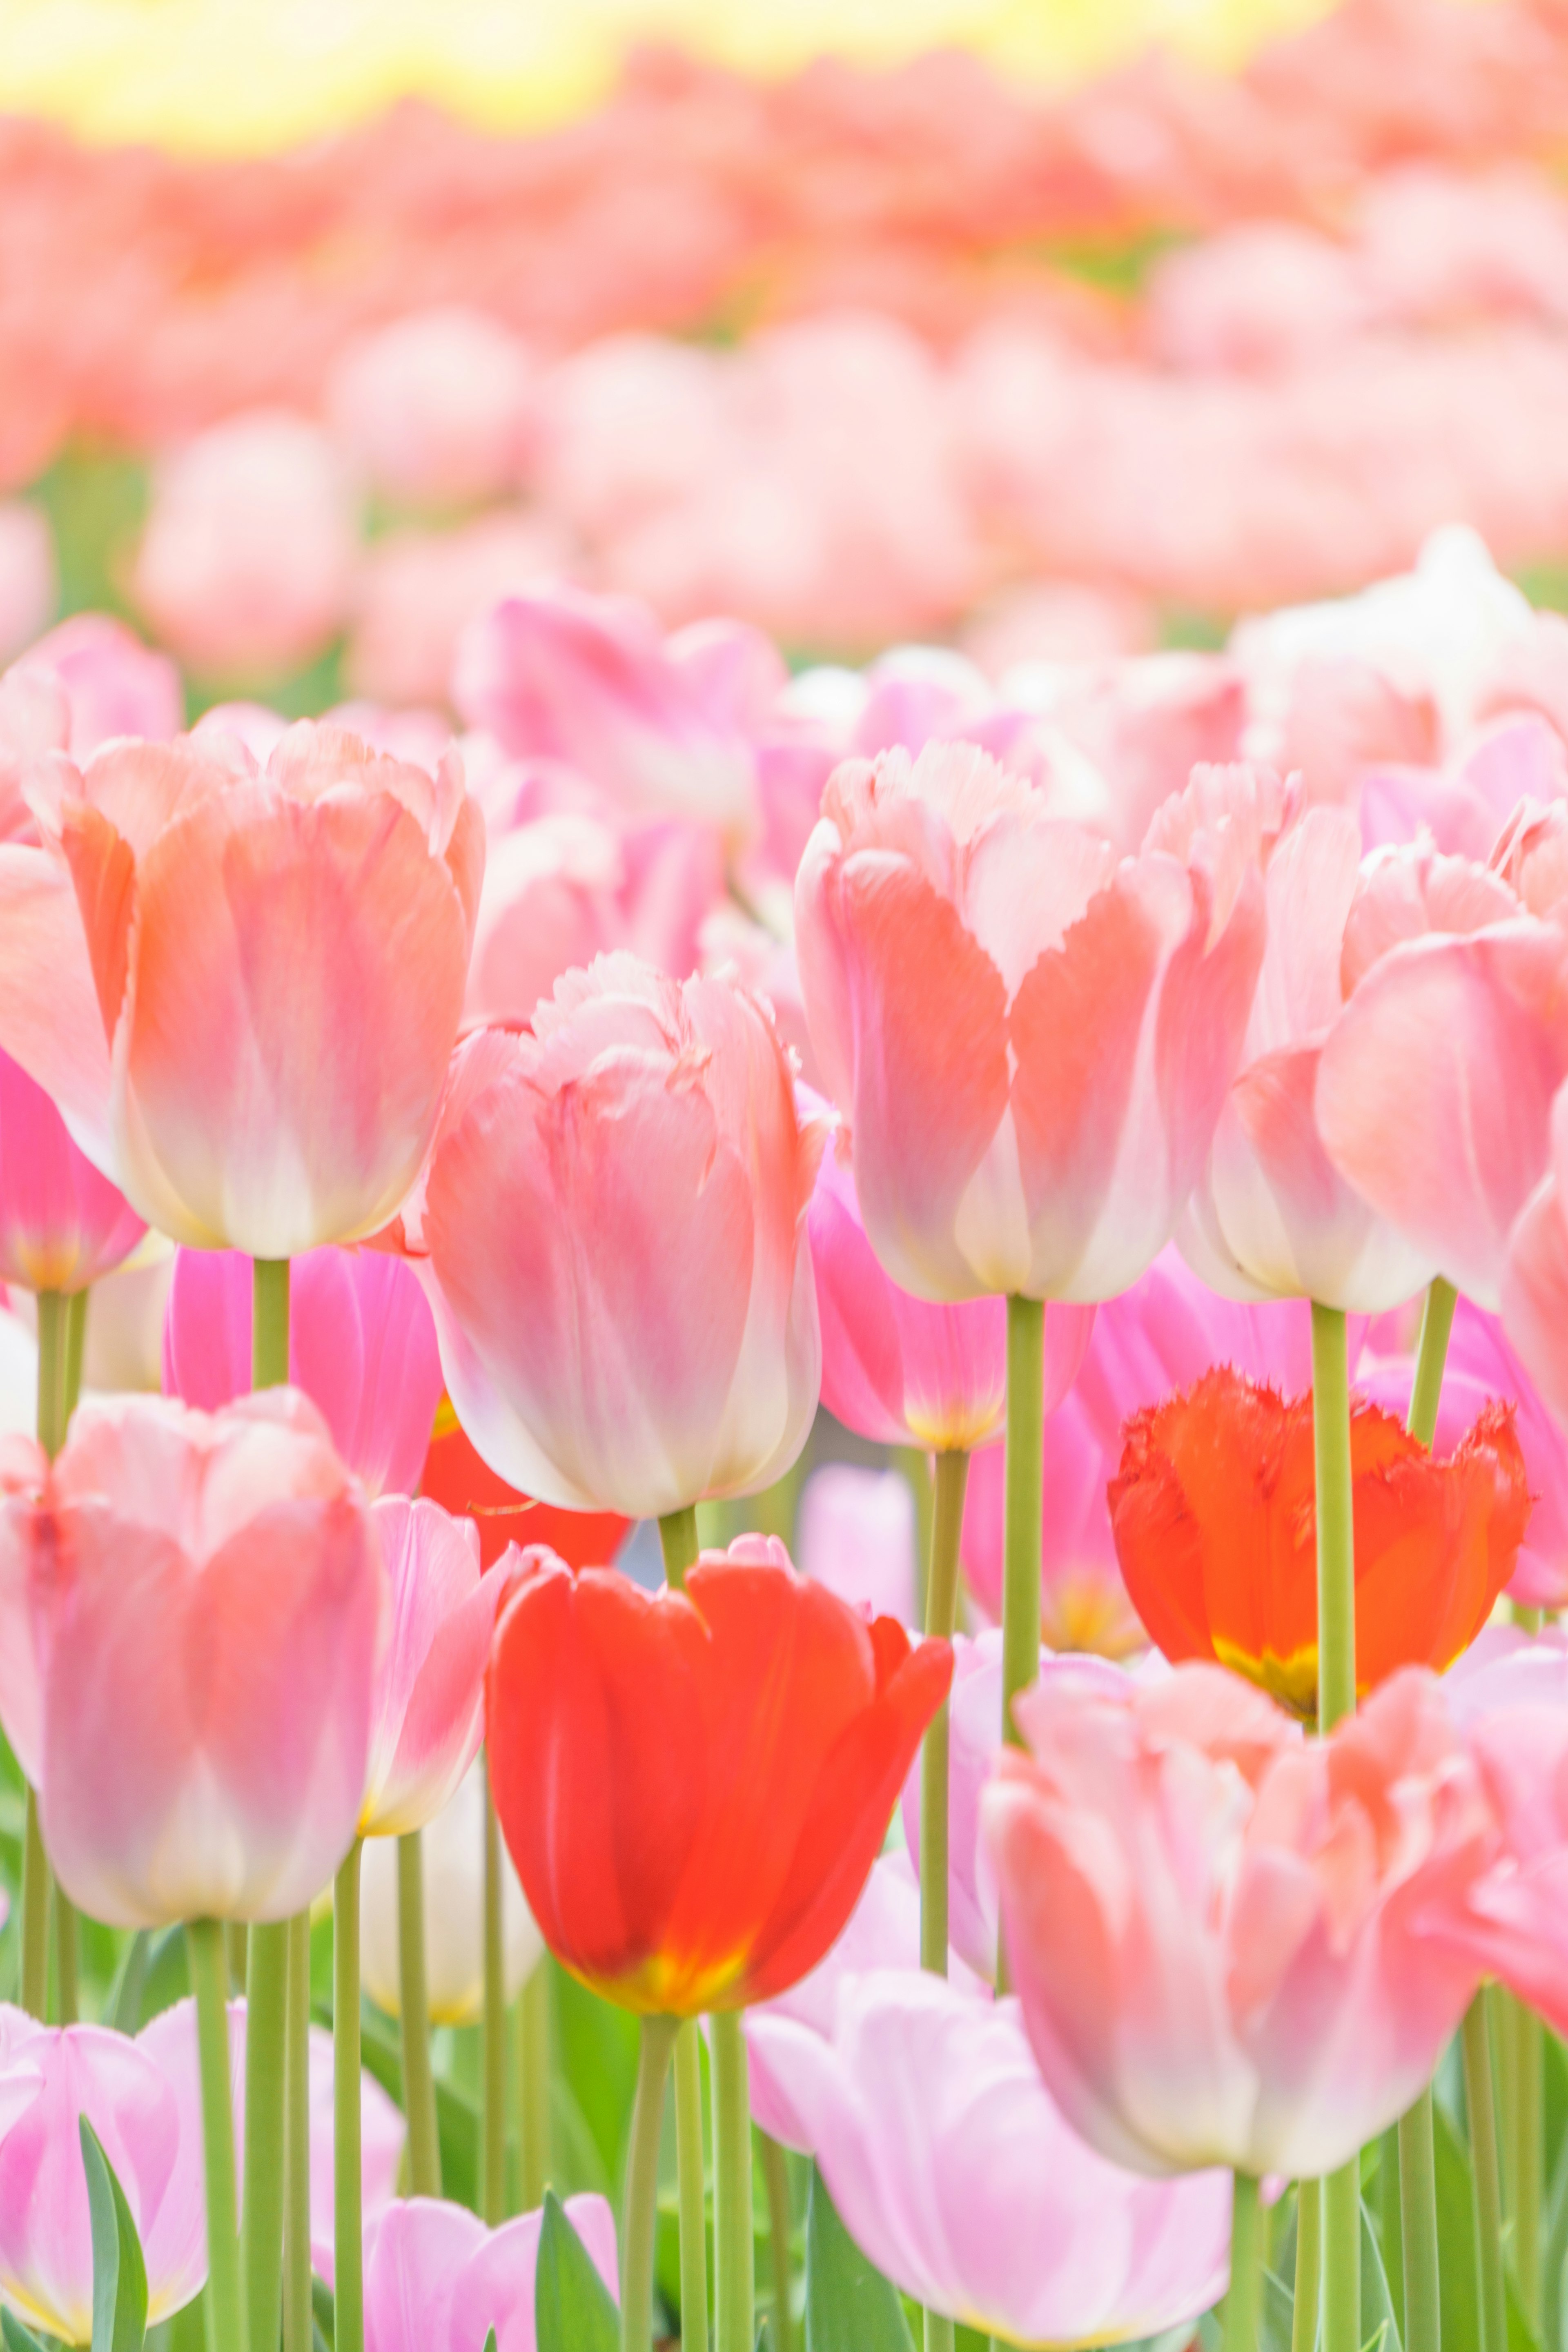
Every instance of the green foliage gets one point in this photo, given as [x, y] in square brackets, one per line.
[118, 2272]
[849, 2307]
[574, 2311]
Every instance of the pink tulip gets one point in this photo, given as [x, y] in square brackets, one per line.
[436, 2280]
[114, 685]
[417, 590]
[856, 1534]
[435, 406]
[203, 1598]
[902, 1373]
[614, 1227]
[561, 675]
[429, 1705]
[1083, 1600]
[1273, 1216]
[382, 2134]
[955, 2172]
[50, 2078]
[29, 583]
[35, 720]
[62, 1224]
[1009, 1019]
[362, 1345]
[242, 986]
[1221, 1935]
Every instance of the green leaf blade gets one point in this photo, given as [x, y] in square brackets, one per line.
[849, 2306]
[574, 2311]
[118, 2272]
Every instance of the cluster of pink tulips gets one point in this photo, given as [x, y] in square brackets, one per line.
[1139, 1106]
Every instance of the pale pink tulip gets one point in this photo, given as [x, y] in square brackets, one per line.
[615, 1224]
[362, 1345]
[856, 1534]
[242, 986]
[417, 589]
[1463, 807]
[437, 408]
[62, 1225]
[246, 566]
[955, 2173]
[436, 2280]
[1030, 1041]
[203, 1598]
[29, 583]
[1222, 1935]
[558, 673]
[901, 1372]
[35, 720]
[1272, 1217]
[382, 2131]
[429, 1700]
[1534, 1280]
[50, 2078]
[114, 685]
[453, 1848]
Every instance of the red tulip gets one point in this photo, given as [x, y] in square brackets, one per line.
[694, 1785]
[454, 1477]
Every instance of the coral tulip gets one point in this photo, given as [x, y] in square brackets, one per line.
[613, 1219]
[428, 1711]
[203, 1598]
[1216, 1531]
[453, 1854]
[150, 2136]
[362, 1345]
[955, 2173]
[694, 1785]
[436, 2280]
[242, 986]
[454, 1477]
[901, 1372]
[1029, 1040]
[1219, 1933]
[61, 1223]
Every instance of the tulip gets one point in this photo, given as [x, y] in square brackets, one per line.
[1004, 1013]
[200, 1598]
[957, 2176]
[113, 683]
[50, 2078]
[613, 1223]
[427, 1707]
[855, 1534]
[1222, 1936]
[452, 1850]
[362, 1346]
[454, 1477]
[757, 1729]
[62, 1225]
[1215, 1526]
[437, 2281]
[242, 985]
[435, 406]
[1084, 1603]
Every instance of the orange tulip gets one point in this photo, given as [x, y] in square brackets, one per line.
[1216, 1531]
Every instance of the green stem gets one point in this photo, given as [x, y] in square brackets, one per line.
[1340, 2195]
[775, 2181]
[642, 2185]
[1478, 2099]
[492, 2176]
[75, 1351]
[914, 1462]
[347, 2228]
[67, 2001]
[298, 2317]
[1418, 2228]
[269, 1323]
[53, 1347]
[734, 2325]
[940, 2332]
[1308, 2265]
[1431, 1355]
[678, 1534]
[225, 2311]
[1336, 1530]
[261, 2229]
[1529, 2158]
[413, 2002]
[533, 2085]
[239, 1951]
[34, 1913]
[692, 2188]
[1022, 1473]
[942, 1611]
[1245, 2274]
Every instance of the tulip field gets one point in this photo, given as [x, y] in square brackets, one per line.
[783, 1179]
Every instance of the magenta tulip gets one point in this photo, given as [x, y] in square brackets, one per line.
[61, 1223]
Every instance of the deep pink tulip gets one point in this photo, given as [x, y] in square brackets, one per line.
[955, 2172]
[1220, 1935]
[241, 985]
[428, 1708]
[436, 2280]
[897, 1370]
[1029, 1040]
[362, 1345]
[61, 1223]
[1272, 1217]
[49, 2077]
[203, 1598]
[614, 1223]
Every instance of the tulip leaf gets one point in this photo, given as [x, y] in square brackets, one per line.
[490, 2341]
[118, 2272]
[573, 2310]
[849, 2306]
[1379, 2327]
[14, 2337]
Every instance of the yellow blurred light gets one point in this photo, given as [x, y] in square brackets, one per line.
[248, 76]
